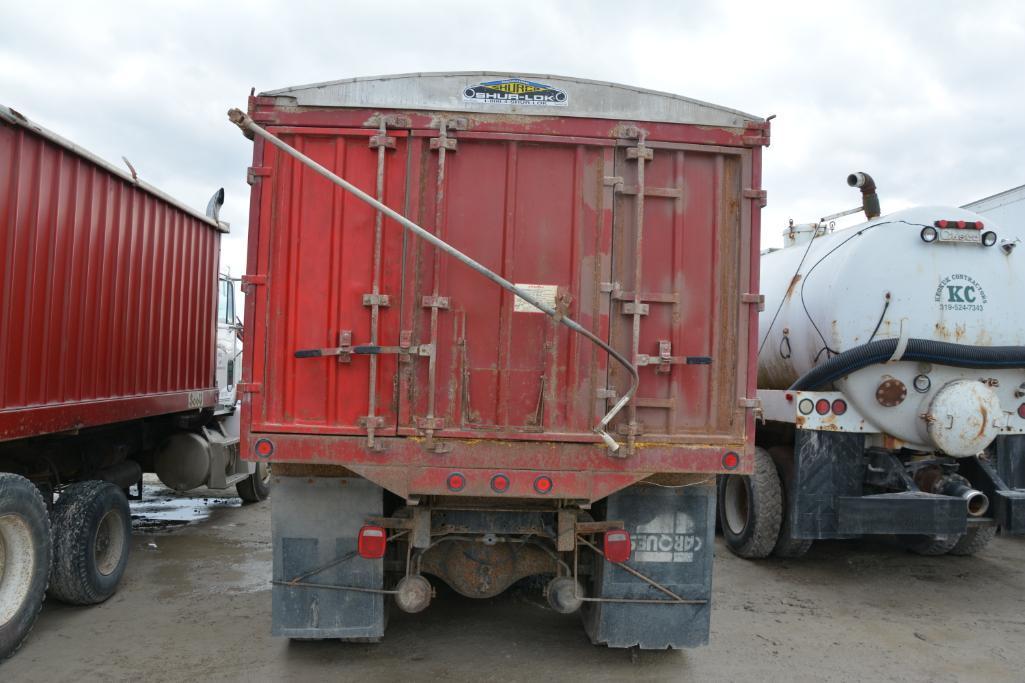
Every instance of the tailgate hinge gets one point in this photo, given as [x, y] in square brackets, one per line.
[254, 173]
[760, 196]
[753, 403]
[756, 134]
[753, 298]
[443, 141]
[250, 281]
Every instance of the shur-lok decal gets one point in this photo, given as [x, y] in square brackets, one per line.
[516, 91]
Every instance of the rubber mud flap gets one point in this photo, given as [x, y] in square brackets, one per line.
[314, 522]
[673, 533]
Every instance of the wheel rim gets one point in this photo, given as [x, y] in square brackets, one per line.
[735, 504]
[263, 472]
[17, 565]
[110, 542]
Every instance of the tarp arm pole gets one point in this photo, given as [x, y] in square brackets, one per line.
[240, 119]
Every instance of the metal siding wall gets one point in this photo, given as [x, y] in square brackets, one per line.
[107, 291]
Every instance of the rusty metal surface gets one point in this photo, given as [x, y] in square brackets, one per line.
[477, 570]
[891, 392]
[107, 292]
[530, 199]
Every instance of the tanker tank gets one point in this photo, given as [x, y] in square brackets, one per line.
[891, 382]
[827, 293]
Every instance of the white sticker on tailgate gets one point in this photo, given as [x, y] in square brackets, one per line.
[545, 294]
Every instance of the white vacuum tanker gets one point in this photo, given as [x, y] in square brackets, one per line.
[892, 380]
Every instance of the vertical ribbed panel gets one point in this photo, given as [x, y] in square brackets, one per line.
[106, 290]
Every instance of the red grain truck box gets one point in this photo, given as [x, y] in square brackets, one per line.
[108, 307]
[422, 420]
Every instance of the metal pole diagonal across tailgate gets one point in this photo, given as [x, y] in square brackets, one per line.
[247, 125]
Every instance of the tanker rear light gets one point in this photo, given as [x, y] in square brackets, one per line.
[960, 225]
[616, 545]
[822, 406]
[371, 542]
[1021, 411]
[839, 406]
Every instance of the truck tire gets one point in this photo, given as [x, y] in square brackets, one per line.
[255, 487]
[750, 509]
[930, 546]
[92, 531]
[974, 540]
[787, 547]
[25, 554]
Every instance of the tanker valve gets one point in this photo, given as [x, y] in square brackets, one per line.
[977, 501]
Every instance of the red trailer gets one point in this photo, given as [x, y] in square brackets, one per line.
[409, 405]
[108, 297]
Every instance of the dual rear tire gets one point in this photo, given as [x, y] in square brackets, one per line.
[92, 530]
[77, 555]
[752, 512]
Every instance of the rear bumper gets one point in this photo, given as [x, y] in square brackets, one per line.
[578, 471]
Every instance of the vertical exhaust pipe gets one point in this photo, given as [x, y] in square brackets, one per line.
[869, 198]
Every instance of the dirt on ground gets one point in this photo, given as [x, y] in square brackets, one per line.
[195, 605]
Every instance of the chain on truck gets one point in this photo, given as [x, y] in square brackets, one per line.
[502, 326]
[891, 371]
[120, 354]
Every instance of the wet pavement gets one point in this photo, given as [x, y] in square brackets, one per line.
[195, 605]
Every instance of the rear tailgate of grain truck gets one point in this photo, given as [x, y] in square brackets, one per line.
[557, 204]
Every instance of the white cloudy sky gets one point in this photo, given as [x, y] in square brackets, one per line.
[927, 96]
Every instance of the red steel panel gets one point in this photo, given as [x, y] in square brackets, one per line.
[543, 201]
[107, 293]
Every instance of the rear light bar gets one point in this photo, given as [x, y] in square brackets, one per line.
[823, 406]
[960, 225]
[371, 542]
[616, 545]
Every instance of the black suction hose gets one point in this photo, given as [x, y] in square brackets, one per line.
[922, 350]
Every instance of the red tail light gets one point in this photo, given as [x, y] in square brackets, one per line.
[730, 460]
[1021, 411]
[371, 543]
[543, 484]
[264, 447]
[617, 545]
[822, 406]
[456, 482]
[839, 406]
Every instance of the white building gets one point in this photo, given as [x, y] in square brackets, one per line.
[1005, 208]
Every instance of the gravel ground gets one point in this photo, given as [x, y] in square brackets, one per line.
[195, 605]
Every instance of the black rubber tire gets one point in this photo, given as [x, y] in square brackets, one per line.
[929, 546]
[256, 487]
[24, 526]
[92, 532]
[974, 540]
[787, 547]
[750, 509]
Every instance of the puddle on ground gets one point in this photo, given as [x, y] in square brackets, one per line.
[162, 509]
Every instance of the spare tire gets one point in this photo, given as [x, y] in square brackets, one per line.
[25, 554]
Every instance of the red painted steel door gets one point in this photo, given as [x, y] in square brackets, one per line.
[683, 325]
[320, 283]
[538, 212]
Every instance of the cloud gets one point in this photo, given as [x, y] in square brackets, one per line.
[927, 97]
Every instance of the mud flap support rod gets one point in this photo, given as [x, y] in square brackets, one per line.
[249, 128]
